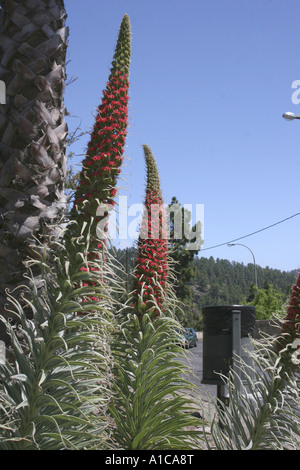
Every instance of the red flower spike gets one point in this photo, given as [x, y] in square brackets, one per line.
[108, 136]
[151, 263]
[102, 161]
[291, 326]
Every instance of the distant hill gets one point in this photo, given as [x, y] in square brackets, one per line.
[220, 282]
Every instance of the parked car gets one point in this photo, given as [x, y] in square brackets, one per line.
[187, 337]
[190, 337]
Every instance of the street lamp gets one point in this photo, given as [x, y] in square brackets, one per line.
[234, 244]
[290, 116]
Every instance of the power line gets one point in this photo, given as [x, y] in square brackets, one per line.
[253, 233]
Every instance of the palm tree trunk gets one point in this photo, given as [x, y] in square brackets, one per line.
[33, 43]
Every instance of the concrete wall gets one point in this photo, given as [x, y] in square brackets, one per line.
[270, 327]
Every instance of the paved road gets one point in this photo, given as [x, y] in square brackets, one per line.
[203, 394]
[195, 361]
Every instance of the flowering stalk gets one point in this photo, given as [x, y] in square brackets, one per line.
[151, 267]
[290, 332]
[148, 408]
[104, 157]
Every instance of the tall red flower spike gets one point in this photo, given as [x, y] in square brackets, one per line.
[151, 267]
[104, 157]
[291, 326]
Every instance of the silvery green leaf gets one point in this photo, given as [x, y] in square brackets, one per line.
[43, 377]
[20, 377]
[23, 404]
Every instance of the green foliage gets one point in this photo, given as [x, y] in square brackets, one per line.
[80, 376]
[268, 302]
[122, 54]
[264, 408]
[54, 387]
[180, 248]
[221, 282]
[218, 282]
[149, 408]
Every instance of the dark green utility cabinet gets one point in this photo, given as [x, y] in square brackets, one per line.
[219, 336]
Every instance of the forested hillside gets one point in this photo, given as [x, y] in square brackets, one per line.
[221, 282]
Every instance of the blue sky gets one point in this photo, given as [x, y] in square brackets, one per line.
[209, 82]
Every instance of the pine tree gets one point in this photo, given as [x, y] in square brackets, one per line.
[180, 247]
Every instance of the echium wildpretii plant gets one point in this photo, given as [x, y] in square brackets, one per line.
[151, 267]
[263, 411]
[104, 156]
[264, 407]
[54, 384]
[289, 340]
[151, 405]
[101, 167]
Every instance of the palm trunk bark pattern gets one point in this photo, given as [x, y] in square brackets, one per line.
[33, 43]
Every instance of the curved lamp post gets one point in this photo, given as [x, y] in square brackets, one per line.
[290, 116]
[255, 274]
